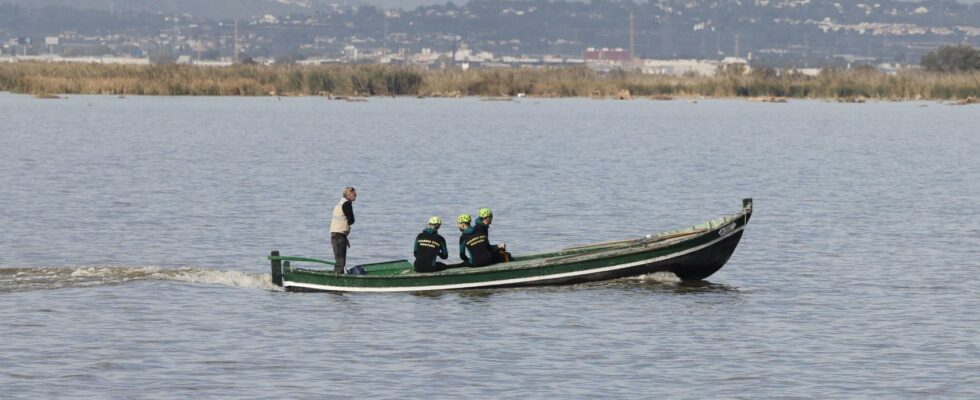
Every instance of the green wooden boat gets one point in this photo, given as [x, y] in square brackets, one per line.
[692, 253]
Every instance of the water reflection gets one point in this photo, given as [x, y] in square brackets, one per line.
[626, 284]
[472, 294]
[685, 287]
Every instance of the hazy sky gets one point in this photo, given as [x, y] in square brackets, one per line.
[167, 4]
[407, 4]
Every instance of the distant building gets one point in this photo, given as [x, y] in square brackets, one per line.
[83, 60]
[892, 68]
[617, 54]
[604, 65]
[319, 61]
[807, 71]
[465, 54]
[426, 57]
[679, 67]
[734, 61]
[350, 52]
[213, 63]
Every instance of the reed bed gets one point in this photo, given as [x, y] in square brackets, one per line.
[385, 80]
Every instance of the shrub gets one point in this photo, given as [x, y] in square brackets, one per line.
[961, 57]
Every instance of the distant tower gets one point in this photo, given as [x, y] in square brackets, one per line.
[176, 35]
[738, 50]
[384, 40]
[806, 47]
[942, 14]
[455, 47]
[632, 36]
[235, 56]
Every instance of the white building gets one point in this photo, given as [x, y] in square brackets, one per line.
[426, 57]
[465, 54]
[350, 52]
[679, 67]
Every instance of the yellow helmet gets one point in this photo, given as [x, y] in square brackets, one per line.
[463, 219]
[435, 221]
[485, 213]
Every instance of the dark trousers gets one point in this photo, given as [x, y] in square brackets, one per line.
[435, 268]
[340, 244]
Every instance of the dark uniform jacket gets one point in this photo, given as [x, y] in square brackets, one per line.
[485, 230]
[474, 248]
[429, 245]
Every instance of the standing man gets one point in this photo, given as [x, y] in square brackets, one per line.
[343, 218]
[428, 245]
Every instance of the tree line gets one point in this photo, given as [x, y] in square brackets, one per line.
[958, 58]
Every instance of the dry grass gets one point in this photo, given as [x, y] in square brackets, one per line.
[382, 80]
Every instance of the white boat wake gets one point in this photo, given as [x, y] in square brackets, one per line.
[659, 277]
[47, 278]
[44, 278]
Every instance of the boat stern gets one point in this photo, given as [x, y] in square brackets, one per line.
[276, 268]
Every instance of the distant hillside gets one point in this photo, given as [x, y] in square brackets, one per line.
[226, 9]
[772, 32]
[220, 9]
[217, 9]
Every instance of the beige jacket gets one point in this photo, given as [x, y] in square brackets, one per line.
[338, 224]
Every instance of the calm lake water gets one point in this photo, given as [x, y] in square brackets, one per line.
[133, 234]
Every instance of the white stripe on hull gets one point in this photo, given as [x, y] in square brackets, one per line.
[503, 282]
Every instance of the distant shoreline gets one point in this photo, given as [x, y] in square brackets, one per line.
[518, 99]
[357, 81]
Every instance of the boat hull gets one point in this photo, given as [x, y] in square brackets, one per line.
[692, 258]
[693, 266]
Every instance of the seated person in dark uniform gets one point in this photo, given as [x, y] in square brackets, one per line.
[498, 253]
[473, 246]
[429, 245]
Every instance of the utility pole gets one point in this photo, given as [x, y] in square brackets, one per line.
[632, 36]
[235, 56]
[176, 36]
[384, 40]
[806, 48]
[455, 47]
[738, 50]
